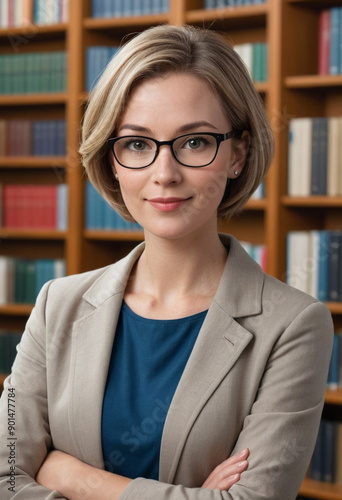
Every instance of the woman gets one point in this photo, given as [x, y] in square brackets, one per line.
[212, 361]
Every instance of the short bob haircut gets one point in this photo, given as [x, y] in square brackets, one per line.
[157, 52]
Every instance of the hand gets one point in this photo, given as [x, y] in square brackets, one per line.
[228, 472]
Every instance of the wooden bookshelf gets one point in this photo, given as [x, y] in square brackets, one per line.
[293, 89]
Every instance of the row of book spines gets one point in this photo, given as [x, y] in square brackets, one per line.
[120, 8]
[97, 58]
[33, 72]
[326, 462]
[21, 279]
[17, 13]
[220, 4]
[32, 137]
[257, 252]
[330, 42]
[315, 156]
[34, 206]
[314, 263]
[100, 215]
[8, 344]
[334, 381]
[254, 56]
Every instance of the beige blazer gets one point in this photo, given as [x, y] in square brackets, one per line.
[256, 378]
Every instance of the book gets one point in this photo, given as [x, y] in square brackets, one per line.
[100, 215]
[314, 261]
[21, 278]
[324, 43]
[35, 206]
[315, 156]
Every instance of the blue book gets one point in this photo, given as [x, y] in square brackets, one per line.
[97, 8]
[334, 366]
[316, 467]
[334, 285]
[329, 451]
[323, 265]
[335, 35]
[319, 156]
[62, 207]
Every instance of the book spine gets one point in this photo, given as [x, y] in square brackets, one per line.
[335, 49]
[324, 43]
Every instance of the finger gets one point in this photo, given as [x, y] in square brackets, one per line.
[223, 475]
[234, 459]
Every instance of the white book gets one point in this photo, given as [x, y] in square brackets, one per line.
[3, 14]
[59, 268]
[299, 157]
[298, 255]
[18, 13]
[245, 51]
[334, 156]
[6, 279]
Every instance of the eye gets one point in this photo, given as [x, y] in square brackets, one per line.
[196, 142]
[136, 145]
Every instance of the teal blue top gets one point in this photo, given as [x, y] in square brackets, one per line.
[147, 361]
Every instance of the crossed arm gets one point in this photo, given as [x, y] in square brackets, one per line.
[59, 470]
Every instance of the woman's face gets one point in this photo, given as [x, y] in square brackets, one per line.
[168, 199]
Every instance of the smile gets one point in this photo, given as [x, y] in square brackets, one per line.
[167, 204]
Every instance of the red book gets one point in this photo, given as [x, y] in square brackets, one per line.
[324, 43]
[30, 206]
[11, 206]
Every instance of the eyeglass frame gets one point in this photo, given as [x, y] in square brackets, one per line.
[219, 138]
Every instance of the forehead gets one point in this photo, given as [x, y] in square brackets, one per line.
[173, 99]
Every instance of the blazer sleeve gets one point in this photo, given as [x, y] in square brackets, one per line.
[282, 426]
[25, 443]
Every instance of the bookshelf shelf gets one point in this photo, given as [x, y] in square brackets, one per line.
[32, 162]
[129, 22]
[312, 201]
[33, 99]
[256, 204]
[32, 234]
[313, 81]
[16, 309]
[335, 307]
[316, 3]
[30, 31]
[322, 491]
[233, 17]
[114, 235]
[333, 397]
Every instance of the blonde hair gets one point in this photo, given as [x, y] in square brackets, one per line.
[157, 52]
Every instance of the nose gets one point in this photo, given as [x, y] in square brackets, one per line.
[166, 169]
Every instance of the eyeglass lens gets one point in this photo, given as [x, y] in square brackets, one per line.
[193, 150]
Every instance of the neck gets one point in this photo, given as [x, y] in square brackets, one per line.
[178, 275]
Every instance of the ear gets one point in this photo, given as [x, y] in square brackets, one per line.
[239, 156]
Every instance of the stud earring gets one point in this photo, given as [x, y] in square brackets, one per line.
[236, 172]
[116, 176]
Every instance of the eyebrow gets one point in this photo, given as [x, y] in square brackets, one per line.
[184, 128]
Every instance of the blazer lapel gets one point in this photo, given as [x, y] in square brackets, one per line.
[220, 343]
[92, 341]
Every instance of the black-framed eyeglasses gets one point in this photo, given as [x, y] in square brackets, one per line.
[191, 150]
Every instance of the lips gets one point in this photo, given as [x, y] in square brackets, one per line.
[167, 204]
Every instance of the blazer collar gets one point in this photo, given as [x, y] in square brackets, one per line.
[239, 292]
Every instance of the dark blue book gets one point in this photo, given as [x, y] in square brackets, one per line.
[316, 466]
[334, 366]
[335, 242]
[335, 35]
[323, 265]
[329, 451]
[319, 156]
